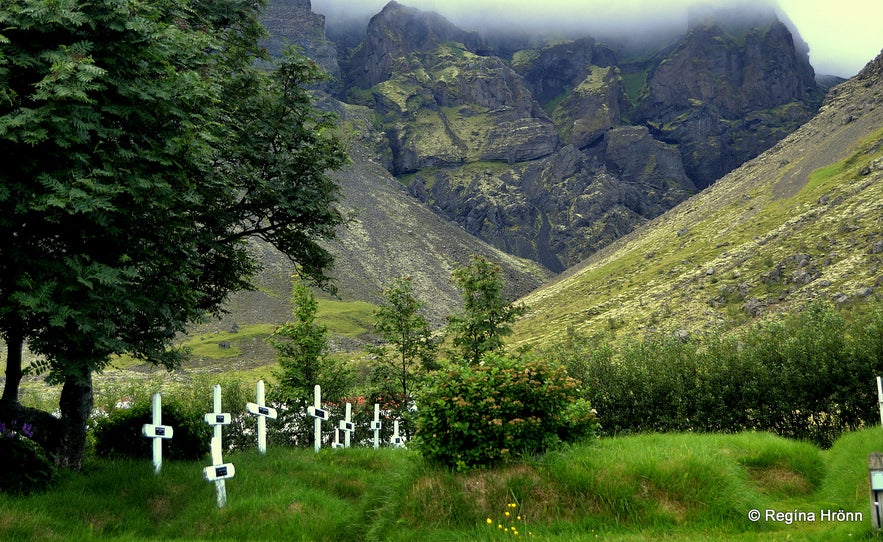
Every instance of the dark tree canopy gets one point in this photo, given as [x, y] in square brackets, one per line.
[142, 147]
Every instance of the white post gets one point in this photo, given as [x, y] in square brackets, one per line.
[396, 440]
[259, 409]
[336, 443]
[375, 426]
[156, 431]
[319, 414]
[347, 426]
[219, 471]
[880, 398]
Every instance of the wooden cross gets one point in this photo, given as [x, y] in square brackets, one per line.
[319, 414]
[219, 471]
[259, 409]
[347, 426]
[156, 431]
[375, 426]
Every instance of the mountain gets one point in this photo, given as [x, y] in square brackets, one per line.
[389, 235]
[549, 149]
[802, 221]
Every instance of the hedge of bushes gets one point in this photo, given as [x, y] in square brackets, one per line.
[808, 375]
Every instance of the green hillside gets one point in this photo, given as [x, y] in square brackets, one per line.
[800, 222]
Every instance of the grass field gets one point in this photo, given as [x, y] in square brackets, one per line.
[677, 487]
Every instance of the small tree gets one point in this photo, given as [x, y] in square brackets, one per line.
[302, 348]
[401, 324]
[486, 315]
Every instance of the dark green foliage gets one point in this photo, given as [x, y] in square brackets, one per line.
[399, 373]
[302, 349]
[810, 375]
[26, 468]
[477, 415]
[119, 434]
[149, 146]
[486, 317]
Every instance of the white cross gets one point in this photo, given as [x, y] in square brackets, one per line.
[319, 414]
[347, 426]
[259, 409]
[219, 471]
[396, 440]
[880, 398]
[375, 426]
[336, 443]
[156, 431]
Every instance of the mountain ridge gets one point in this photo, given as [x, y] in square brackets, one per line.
[799, 222]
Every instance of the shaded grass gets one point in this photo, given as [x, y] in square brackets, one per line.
[647, 487]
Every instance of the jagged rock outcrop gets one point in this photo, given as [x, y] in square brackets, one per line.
[292, 22]
[732, 88]
[551, 150]
[396, 32]
[447, 106]
[559, 209]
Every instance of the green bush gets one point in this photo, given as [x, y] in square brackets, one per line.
[26, 468]
[119, 434]
[477, 415]
[807, 375]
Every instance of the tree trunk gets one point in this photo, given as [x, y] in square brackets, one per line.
[76, 406]
[44, 427]
[14, 345]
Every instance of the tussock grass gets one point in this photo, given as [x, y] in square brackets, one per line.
[676, 487]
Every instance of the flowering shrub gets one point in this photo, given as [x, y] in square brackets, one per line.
[475, 415]
[26, 468]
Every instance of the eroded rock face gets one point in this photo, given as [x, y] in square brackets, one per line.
[451, 106]
[396, 32]
[565, 206]
[555, 149]
[292, 22]
[728, 92]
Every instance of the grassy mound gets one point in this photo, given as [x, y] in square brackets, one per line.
[658, 486]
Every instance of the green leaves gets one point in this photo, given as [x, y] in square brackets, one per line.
[486, 316]
[479, 415]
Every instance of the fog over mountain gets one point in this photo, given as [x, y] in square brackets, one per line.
[842, 36]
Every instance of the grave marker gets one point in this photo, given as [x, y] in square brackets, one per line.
[337, 443]
[259, 409]
[156, 431]
[219, 471]
[880, 398]
[375, 426]
[317, 412]
[347, 426]
[396, 440]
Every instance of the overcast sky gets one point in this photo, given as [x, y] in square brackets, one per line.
[843, 35]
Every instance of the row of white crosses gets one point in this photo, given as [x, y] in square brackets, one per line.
[320, 414]
[219, 471]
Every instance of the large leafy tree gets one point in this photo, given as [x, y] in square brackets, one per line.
[142, 147]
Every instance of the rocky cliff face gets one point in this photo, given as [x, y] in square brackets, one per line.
[292, 22]
[396, 32]
[552, 150]
[729, 91]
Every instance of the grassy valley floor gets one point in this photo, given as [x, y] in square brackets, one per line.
[674, 487]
